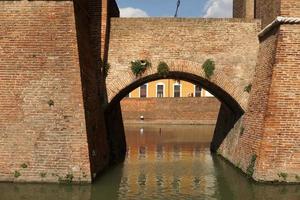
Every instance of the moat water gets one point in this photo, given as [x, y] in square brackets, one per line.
[163, 162]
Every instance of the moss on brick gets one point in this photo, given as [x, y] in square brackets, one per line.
[250, 168]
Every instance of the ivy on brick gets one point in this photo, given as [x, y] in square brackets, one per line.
[163, 69]
[138, 67]
[208, 68]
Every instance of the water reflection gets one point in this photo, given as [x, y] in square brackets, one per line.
[163, 162]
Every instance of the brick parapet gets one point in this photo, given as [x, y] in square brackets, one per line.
[170, 110]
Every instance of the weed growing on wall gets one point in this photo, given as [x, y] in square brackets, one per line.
[67, 179]
[250, 168]
[138, 67]
[283, 175]
[24, 165]
[242, 130]
[209, 68]
[248, 88]
[163, 69]
[17, 174]
[50, 103]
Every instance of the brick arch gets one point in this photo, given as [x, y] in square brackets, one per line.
[220, 85]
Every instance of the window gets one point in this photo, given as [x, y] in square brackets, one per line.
[143, 91]
[160, 90]
[198, 91]
[177, 88]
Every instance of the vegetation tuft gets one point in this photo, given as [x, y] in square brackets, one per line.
[24, 165]
[68, 179]
[250, 168]
[43, 174]
[209, 68]
[163, 69]
[248, 88]
[242, 130]
[283, 175]
[138, 67]
[50, 103]
[17, 174]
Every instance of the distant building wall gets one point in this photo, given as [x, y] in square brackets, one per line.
[187, 89]
[189, 110]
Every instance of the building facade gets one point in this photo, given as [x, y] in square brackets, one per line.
[169, 88]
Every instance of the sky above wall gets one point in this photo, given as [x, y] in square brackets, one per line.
[166, 8]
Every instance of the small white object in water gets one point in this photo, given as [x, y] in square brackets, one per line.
[141, 131]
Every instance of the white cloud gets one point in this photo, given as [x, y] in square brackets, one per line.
[132, 12]
[218, 9]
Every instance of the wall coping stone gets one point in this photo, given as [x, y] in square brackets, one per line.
[277, 22]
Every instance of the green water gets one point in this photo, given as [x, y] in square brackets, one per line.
[163, 162]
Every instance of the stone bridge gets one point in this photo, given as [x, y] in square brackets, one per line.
[59, 116]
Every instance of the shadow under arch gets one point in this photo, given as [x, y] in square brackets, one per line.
[230, 110]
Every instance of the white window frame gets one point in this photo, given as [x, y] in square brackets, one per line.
[157, 84]
[146, 91]
[195, 91]
[180, 95]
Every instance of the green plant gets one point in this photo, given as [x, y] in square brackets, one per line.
[209, 68]
[242, 130]
[297, 177]
[248, 88]
[50, 103]
[163, 69]
[106, 67]
[43, 174]
[282, 175]
[250, 168]
[138, 67]
[17, 174]
[24, 165]
[69, 178]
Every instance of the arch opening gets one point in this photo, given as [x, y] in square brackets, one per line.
[229, 113]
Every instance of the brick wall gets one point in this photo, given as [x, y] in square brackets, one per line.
[243, 9]
[267, 10]
[290, 8]
[39, 66]
[239, 8]
[281, 138]
[270, 129]
[237, 147]
[171, 110]
[50, 52]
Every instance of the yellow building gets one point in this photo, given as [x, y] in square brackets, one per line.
[169, 88]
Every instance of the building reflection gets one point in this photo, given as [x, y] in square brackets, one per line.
[165, 162]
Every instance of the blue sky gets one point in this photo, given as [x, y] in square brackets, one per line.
[165, 8]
